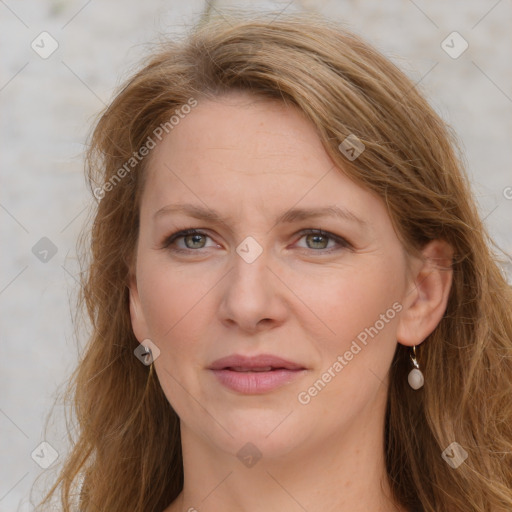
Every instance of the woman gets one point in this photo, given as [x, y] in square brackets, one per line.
[294, 302]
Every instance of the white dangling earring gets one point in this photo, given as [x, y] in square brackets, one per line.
[415, 378]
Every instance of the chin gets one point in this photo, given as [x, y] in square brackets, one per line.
[274, 434]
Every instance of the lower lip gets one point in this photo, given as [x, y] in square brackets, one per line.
[256, 382]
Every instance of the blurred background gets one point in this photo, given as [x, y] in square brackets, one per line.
[60, 64]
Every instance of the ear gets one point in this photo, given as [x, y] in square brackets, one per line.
[139, 325]
[427, 297]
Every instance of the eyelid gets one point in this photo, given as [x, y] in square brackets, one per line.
[341, 241]
[181, 234]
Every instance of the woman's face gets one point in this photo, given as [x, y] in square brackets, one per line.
[254, 281]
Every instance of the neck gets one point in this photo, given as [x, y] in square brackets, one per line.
[344, 473]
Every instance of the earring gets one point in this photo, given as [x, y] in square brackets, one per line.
[147, 356]
[148, 361]
[415, 378]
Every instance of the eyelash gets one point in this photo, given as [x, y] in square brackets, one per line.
[342, 243]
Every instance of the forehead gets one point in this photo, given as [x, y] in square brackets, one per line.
[242, 149]
[239, 125]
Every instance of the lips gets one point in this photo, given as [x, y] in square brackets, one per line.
[245, 369]
[257, 374]
[260, 363]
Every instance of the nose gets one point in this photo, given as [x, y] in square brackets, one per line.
[253, 296]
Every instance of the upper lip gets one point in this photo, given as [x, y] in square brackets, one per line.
[254, 362]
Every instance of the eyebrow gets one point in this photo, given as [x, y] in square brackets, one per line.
[289, 216]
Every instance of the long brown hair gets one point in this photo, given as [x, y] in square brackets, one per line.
[128, 453]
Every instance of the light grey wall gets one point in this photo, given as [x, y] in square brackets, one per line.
[48, 105]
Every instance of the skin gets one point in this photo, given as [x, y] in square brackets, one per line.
[251, 160]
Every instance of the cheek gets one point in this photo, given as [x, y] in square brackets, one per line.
[168, 296]
[351, 303]
[348, 300]
[357, 306]
[178, 309]
[174, 314]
